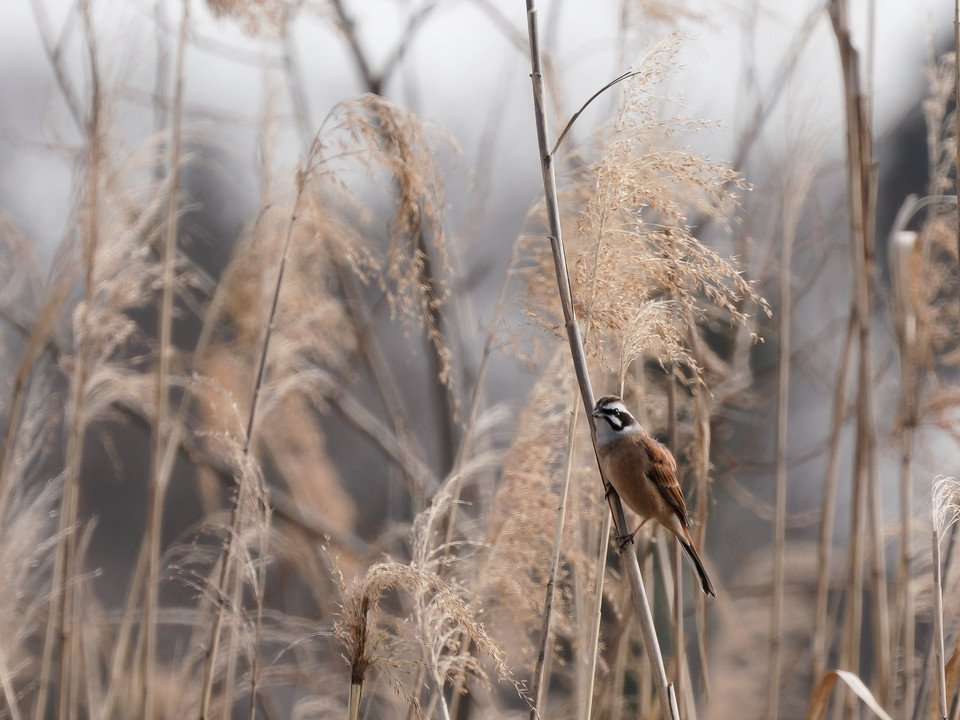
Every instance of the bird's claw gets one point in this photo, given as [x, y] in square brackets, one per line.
[624, 540]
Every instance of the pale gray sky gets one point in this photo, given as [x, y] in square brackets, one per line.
[460, 65]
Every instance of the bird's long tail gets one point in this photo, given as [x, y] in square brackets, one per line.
[698, 566]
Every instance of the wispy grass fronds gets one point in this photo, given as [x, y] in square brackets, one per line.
[19, 275]
[636, 267]
[945, 504]
[248, 476]
[517, 560]
[228, 577]
[389, 143]
[446, 629]
[944, 513]
[940, 124]
[26, 544]
[311, 331]
[108, 264]
[262, 18]
[932, 295]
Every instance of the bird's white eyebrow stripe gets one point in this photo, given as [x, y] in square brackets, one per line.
[618, 406]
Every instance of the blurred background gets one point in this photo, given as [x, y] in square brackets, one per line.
[404, 323]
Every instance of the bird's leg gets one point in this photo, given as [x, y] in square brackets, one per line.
[627, 539]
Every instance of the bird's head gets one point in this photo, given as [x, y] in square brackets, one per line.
[613, 419]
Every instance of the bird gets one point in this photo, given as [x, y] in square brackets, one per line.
[644, 474]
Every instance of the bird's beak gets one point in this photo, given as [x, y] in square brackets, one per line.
[596, 413]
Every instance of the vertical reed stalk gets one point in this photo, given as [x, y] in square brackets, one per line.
[902, 247]
[702, 471]
[60, 631]
[679, 637]
[232, 650]
[596, 616]
[782, 447]
[537, 689]
[161, 426]
[647, 680]
[235, 514]
[667, 565]
[938, 645]
[632, 567]
[261, 591]
[905, 604]
[821, 633]
[861, 183]
[920, 706]
[676, 557]
[9, 695]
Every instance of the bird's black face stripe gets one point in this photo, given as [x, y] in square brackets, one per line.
[611, 409]
[617, 418]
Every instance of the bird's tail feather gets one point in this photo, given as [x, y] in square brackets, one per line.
[698, 566]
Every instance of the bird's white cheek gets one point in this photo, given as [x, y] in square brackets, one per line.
[604, 434]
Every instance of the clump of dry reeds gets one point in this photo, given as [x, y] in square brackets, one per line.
[327, 523]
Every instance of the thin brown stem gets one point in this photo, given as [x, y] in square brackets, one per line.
[938, 644]
[679, 643]
[861, 184]
[54, 51]
[596, 616]
[781, 450]
[60, 630]
[261, 590]
[539, 669]
[235, 515]
[37, 343]
[573, 118]
[920, 706]
[821, 633]
[701, 399]
[908, 422]
[161, 425]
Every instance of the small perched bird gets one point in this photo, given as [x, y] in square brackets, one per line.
[644, 474]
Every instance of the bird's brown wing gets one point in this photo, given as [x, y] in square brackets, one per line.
[663, 473]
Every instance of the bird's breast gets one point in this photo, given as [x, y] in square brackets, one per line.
[625, 466]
